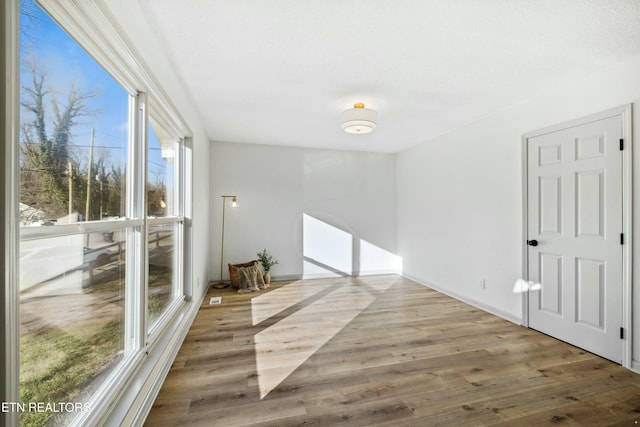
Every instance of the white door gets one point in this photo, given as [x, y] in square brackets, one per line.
[575, 218]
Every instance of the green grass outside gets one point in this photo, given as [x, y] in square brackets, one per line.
[75, 362]
[59, 365]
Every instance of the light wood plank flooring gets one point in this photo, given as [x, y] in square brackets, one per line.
[381, 351]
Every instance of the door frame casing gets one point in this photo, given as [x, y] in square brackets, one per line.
[625, 113]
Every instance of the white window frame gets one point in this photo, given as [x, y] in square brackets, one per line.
[96, 32]
[178, 292]
[9, 212]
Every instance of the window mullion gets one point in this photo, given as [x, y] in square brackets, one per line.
[179, 209]
[187, 184]
[136, 240]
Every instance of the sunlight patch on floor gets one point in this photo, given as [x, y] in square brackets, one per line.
[269, 304]
[286, 345]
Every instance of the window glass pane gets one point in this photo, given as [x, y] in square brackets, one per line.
[72, 305]
[161, 161]
[162, 269]
[74, 128]
[73, 152]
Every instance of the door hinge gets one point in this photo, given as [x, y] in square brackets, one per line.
[621, 333]
[621, 144]
[622, 238]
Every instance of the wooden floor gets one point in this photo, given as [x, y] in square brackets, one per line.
[382, 351]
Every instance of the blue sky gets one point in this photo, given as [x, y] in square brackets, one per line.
[66, 62]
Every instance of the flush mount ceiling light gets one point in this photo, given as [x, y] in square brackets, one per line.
[358, 120]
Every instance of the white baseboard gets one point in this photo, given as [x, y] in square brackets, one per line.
[135, 402]
[489, 309]
[330, 275]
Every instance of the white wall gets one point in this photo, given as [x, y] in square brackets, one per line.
[344, 192]
[459, 216]
[460, 195]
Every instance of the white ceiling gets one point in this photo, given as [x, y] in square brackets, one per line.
[281, 71]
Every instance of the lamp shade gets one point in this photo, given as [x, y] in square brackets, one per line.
[358, 120]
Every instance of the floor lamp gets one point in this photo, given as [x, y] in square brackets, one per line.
[234, 203]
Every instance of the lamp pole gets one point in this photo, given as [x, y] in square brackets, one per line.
[224, 203]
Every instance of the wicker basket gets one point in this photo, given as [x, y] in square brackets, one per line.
[233, 272]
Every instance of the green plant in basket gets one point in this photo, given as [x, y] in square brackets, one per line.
[266, 260]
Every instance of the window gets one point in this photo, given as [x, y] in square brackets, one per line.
[73, 152]
[164, 226]
[101, 179]
[72, 302]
